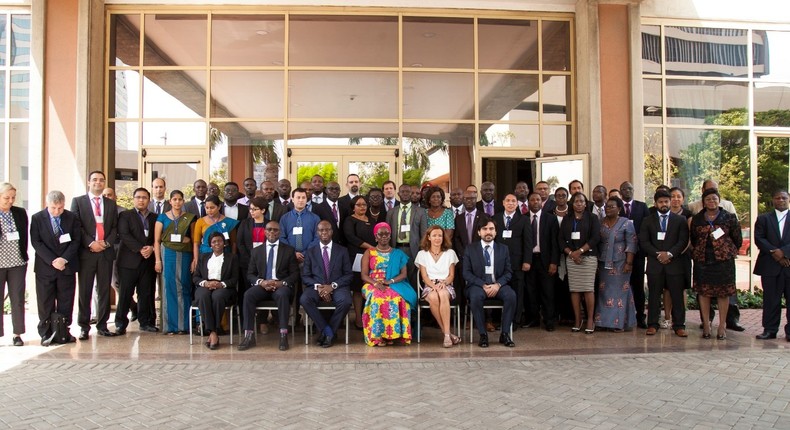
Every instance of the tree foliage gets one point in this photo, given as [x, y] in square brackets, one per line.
[328, 171]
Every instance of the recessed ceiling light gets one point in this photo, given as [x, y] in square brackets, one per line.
[416, 64]
[429, 35]
[261, 32]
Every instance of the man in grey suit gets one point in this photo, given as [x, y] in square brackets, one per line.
[772, 236]
[408, 223]
[197, 205]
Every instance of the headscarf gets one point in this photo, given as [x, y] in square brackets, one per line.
[379, 226]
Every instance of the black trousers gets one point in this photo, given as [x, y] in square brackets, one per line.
[256, 294]
[540, 292]
[476, 298]
[774, 287]
[54, 294]
[94, 267]
[656, 282]
[212, 304]
[15, 278]
[143, 279]
[517, 284]
[638, 286]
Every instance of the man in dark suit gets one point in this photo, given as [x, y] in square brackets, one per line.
[487, 272]
[197, 205]
[272, 273]
[408, 222]
[636, 211]
[390, 189]
[136, 264]
[465, 233]
[230, 207]
[512, 230]
[545, 260]
[662, 237]
[326, 276]
[352, 186]
[159, 202]
[488, 204]
[547, 202]
[55, 236]
[98, 217]
[284, 193]
[274, 210]
[331, 210]
[772, 236]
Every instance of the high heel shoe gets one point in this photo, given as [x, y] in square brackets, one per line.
[589, 330]
[722, 336]
[706, 335]
[456, 340]
[576, 329]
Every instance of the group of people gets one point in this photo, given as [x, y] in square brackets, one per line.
[541, 258]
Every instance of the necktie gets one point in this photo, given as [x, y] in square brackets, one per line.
[298, 237]
[389, 205]
[403, 221]
[523, 209]
[202, 209]
[334, 213]
[270, 262]
[628, 210]
[158, 208]
[535, 228]
[56, 226]
[99, 225]
[507, 223]
[487, 255]
[663, 223]
[489, 209]
[601, 213]
[457, 211]
[469, 225]
[325, 255]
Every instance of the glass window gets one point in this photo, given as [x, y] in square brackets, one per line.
[247, 94]
[259, 135]
[701, 51]
[20, 40]
[2, 92]
[651, 49]
[651, 97]
[508, 97]
[438, 42]
[125, 99]
[343, 94]
[772, 104]
[305, 170]
[510, 135]
[175, 40]
[698, 101]
[18, 142]
[125, 39]
[773, 159]
[247, 40]
[654, 159]
[557, 140]
[556, 98]
[340, 133]
[556, 45]
[3, 38]
[20, 94]
[174, 133]
[2, 151]
[174, 94]
[451, 95]
[769, 51]
[507, 44]
[430, 151]
[348, 41]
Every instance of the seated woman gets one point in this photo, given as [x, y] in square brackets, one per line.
[388, 296]
[215, 279]
[436, 262]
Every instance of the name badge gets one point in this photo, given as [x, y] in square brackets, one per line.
[175, 238]
[576, 235]
[65, 238]
[99, 219]
[661, 235]
[718, 233]
[13, 235]
[226, 235]
[507, 234]
[489, 270]
[297, 230]
[256, 244]
[405, 228]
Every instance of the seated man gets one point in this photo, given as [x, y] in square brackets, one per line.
[326, 277]
[487, 272]
[272, 272]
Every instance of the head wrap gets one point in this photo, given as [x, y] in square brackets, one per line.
[379, 226]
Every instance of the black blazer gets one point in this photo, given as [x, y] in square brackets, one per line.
[133, 238]
[193, 207]
[766, 237]
[590, 232]
[244, 211]
[639, 211]
[548, 230]
[324, 212]
[498, 207]
[549, 206]
[83, 209]
[165, 206]
[244, 241]
[286, 266]
[339, 266]
[520, 243]
[20, 220]
[230, 270]
[48, 246]
[461, 235]
[675, 241]
[475, 262]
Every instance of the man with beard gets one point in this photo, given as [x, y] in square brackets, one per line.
[352, 185]
[284, 193]
[331, 210]
[546, 200]
[390, 201]
[416, 195]
[599, 201]
[231, 209]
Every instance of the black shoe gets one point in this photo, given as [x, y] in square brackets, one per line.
[530, 324]
[93, 321]
[71, 339]
[18, 341]
[320, 340]
[247, 342]
[84, 334]
[550, 327]
[483, 342]
[735, 327]
[328, 340]
[641, 324]
[766, 335]
[105, 332]
[120, 331]
[505, 339]
[283, 342]
[149, 328]
[134, 316]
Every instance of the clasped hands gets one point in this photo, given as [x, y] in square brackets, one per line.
[212, 284]
[779, 257]
[491, 290]
[663, 257]
[325, 292]
[269, 284]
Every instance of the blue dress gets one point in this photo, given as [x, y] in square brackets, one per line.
[615, 308]
[176, 278]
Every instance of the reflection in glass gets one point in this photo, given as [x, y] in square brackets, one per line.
[125, 99]
[3, 36]
[654, 159]
[348, 41]
[773, 158]
[703, 51]
[371, 173]
[20, 94]
[651, 49]
[332, 133]
[507, 44]
[125, 39]
[174, 133]
[305, 170]
[509, 136]
[438, 95]
[174, 94]
[20, 40]
[343, 94]
[18, 174]
[438, 42]
[557, 139]
[721, 155]
[2, 150]
[561, 172]
[556, 98]
[175, 39]
[2, 91]
[431, 149]
[651, 97]
[246, 94]
[556, 45]
[508, 97]
[179, 176]
[697, 101]
[247, 40]
[772, 104]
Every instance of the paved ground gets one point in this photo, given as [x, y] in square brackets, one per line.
[551, 380]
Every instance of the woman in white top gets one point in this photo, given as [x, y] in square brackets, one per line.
[436, 262]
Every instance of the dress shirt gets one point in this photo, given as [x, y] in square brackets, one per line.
[309, 224]
[457, 210]
[483, 245]
[161, 204]
[244, 201]
[781, 218]
[318, 198]
[321, 252]
[231, 211]
[512, 215]
[536, 239]
[403, 207]
[214, 265]
[599, 211]
[268, 248]
[389, 202]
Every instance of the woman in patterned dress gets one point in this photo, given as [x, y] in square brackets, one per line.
[388, 296]
[13, 259]
[438, 214]
[616, 310]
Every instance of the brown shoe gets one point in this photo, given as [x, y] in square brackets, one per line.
[490, 327]
[681, 333]
[650, 331]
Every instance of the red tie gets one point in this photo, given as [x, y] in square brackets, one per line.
[99, 225]
[523, 209]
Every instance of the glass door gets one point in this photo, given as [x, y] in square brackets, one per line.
[560, 171]
[179, 167]
[373, 165]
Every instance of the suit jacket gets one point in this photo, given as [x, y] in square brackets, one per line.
[498, 207]
[277, 212]
[20, 220]
[324, 211]
[475, 262]
[418, 224]
[83, 209]
[345, 201]
[767, 238]
[461, 234]
[520, 242]
[133, 238]
[339, 266]
[230, 270]
[286, 267]
[548, 230]
[550, 205]
[675, 241]
[165, 206]
[639, 211]
[244, 211]
[244, 243]
[48, 246]
[192, 207]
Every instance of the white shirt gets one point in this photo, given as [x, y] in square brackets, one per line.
[244, 201]
[214, 265]
[231, 211]
[436, 269]
[490, 251]
[535, 248]
[457, 210]
[318, 198]
[387, 202]
[781, 217]
[268, 248]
